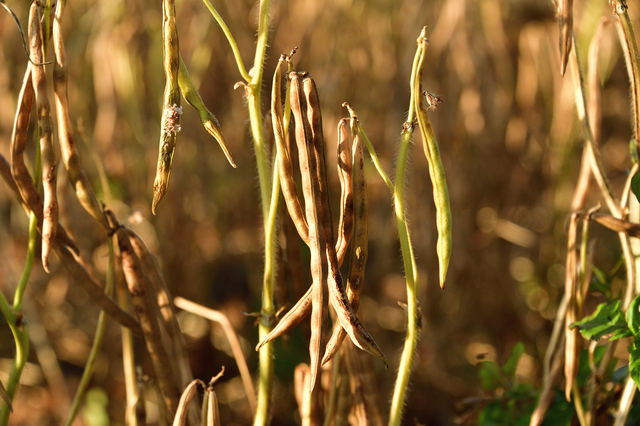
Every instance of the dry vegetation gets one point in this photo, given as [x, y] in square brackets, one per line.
[510, 141]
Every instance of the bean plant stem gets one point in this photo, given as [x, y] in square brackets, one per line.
[410, 270]
[15, 320]
[269, 208]
[253, 90]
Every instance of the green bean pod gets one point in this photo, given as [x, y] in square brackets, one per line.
[438, 180]
[209, 121]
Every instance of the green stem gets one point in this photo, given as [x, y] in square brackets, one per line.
[269, 205]
[411, 272]
[26, 273]
[22, 351]
[232, 41]
[265, 384]
[16, 324]
[411, 341]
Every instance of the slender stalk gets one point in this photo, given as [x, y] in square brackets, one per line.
[232, 41]
[15, 321]
[411, 273]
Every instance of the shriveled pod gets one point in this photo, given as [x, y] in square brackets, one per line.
[360, 239]
[338, 296]
[285, 168]
[68, 147]
[140, 290]
[345, 171]
[45, 130]
[180, 418]
[314, 212]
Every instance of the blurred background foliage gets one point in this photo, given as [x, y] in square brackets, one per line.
[510, 145]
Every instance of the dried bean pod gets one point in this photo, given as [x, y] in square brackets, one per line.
[45, 131]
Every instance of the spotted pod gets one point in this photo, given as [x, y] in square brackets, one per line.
[171, 104]
[359, 243]
[45, 131]
[338, 296]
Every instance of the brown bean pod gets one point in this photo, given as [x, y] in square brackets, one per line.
[287, 180]
[338, 296]
[345, 170]
[213, 414]
[45, 130]
[21, 176]
[139, 288]
[311, 189]
[68, 147]
[185, 399]
[165, 306]
[359, 246]
[292, 318]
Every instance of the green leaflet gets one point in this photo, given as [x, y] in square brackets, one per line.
[607, 320]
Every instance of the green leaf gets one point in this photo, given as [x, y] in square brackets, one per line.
[509, 367]
[633, 317]
[635, 185]
[490, 375]
[608, 320]
[634, 362]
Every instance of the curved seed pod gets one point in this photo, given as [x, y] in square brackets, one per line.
[209, 121]
[45, 130]
[615, 224]
[359, 244]
[292, 318]
[68, 147]
[183, 406]
[311, 189]
[287, 181]
[436, 173]
[19, 142]
[171, 108]
[20, 175]
[139, 287]
[345, 223]
[165, 306]
[338, 296]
